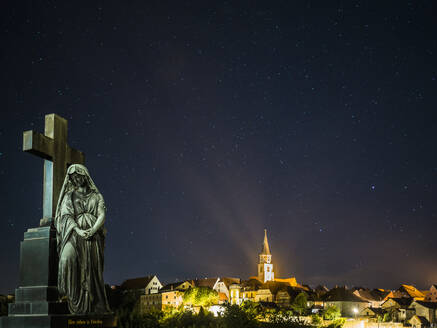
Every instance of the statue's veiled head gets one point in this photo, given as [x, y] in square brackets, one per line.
[78, 175]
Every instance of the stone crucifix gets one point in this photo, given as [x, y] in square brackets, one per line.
[53, 147]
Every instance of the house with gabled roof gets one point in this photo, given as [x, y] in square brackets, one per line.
[375, 296]
[169, 296]
[397, 303]
[142, 285]
[372, 312]
[419, 322]
[399, 308]
[427, 310]
[180, 285]
[206, 282]
[223, 283]
[264, 295]
[220, 285]
[345, 300]
[431, 294]
[286, 295]
[412, 292]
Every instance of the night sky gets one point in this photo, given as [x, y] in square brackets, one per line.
[205, 122]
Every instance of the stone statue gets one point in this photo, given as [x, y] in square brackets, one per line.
[80, 232]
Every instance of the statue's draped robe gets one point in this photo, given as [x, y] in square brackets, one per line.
[80, 275]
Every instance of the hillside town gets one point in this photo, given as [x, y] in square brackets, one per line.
[406, 305]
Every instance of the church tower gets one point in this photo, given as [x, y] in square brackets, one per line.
[265, 267]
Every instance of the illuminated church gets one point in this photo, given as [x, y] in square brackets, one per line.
[266, 271]
[265, 266]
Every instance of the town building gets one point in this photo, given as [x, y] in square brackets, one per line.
[374, 313]
[143, 285]
[406, 291]
[223, 284]
[265, 265]
[162, 300]
[169, 296]
[345, 300]
[427, 310]
[234, 294]
[419, 322]
[431, 295]
[399, 308]
[375, 296]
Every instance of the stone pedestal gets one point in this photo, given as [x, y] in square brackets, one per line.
[37, 302]
[37, 293]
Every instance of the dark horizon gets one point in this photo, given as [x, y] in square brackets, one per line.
[204, 123]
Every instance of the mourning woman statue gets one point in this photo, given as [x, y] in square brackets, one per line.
[80, 233]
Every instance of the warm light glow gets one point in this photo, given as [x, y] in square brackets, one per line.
[216, 310]
[355, 310]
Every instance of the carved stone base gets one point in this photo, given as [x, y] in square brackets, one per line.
[59, 321]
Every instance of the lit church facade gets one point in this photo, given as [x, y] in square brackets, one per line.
[265, 266]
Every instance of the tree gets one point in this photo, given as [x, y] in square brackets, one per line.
[337, 323]
[387, 317]
[316, 320]
[332, 313]
[200, 296]
[300, 304]
[127, 311]
[242, 317]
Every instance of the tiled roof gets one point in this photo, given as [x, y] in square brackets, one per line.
[206, 282]
[341, 294]
[291, 281]
[411, 291]
[252, 284]
[370, 295]
[136, 283]
[378, 311]
[421, 319]
[402, 301]
[223, 297]
[230, 280]
[429, 305]
[173, 285]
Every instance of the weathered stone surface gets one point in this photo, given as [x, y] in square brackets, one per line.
[53, 147]
[80, 218]
[36, 293]
[38, 258]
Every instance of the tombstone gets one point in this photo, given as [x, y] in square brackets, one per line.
[37, 301]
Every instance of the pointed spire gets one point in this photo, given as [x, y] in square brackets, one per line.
[266, 248]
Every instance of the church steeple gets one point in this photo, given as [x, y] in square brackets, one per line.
[265, 267]
[266, 248]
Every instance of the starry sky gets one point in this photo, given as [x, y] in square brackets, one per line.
[204, 122]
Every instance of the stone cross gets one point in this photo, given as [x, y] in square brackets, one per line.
[53, 147]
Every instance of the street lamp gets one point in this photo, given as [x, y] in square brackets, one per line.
[355, 311]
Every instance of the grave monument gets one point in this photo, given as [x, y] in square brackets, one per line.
[37, 299]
